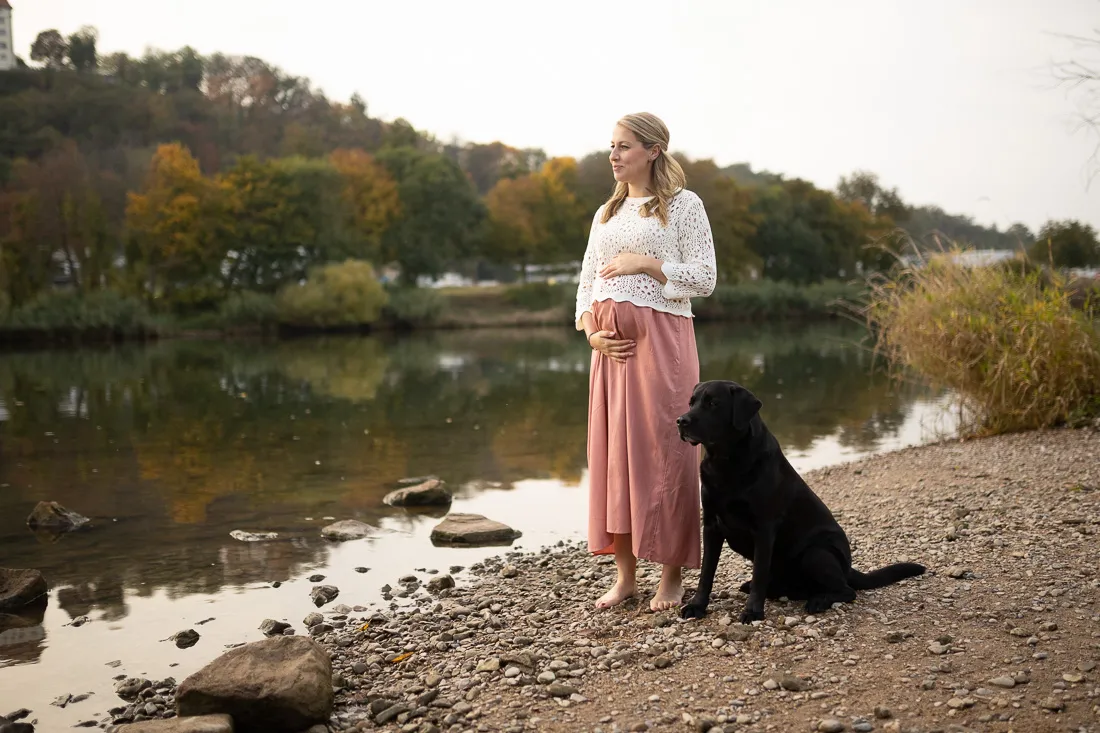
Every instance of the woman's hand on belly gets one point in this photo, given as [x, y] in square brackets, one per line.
[627, 263]
[611, 347]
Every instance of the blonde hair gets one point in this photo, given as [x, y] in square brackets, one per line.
[668, 177]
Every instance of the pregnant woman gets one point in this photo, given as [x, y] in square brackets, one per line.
[650, 251]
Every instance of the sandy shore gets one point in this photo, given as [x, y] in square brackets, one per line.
[1002, 633]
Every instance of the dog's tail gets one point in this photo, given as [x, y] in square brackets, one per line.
[883, 576]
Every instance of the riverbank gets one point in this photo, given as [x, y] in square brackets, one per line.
[108, 318]
[1002, 633]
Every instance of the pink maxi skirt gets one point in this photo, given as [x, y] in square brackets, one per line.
[643, 480]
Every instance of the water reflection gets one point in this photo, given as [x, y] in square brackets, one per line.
[170, 447]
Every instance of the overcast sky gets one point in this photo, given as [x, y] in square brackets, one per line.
[952, 101]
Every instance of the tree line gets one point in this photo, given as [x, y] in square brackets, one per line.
[181, 179]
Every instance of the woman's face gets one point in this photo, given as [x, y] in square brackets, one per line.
[630, 161]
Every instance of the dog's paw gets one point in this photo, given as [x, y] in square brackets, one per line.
[818, 604]
[746, 587]
[750, 614]
[693, 610]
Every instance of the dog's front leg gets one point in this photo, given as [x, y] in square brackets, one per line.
[761, 574]
[713, 538]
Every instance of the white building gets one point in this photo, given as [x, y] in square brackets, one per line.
[7, 39]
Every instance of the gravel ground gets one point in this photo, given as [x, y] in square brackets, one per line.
[1002, 633]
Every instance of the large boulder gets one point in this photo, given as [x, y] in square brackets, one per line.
[278, 685]
[200, 724]
[429, 493]
[472, 529]
[21, 588]
[51, 516]
[348, 529]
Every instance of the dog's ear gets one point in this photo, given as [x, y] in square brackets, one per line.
[745, 406]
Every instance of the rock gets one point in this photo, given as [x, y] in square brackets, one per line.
[1003, 681]
[348, 529]
[1053, 704]
[322, 594]
[958, 571]
[282, 685]
[362, 570]
[243, 536]
[51, 516]
[312, 619]
[883, 713]
[7, 726]
[509, 571]
[938, 648]
[129, 688]
[435, 585]
[199, 724]
[1073, 677]
[391, 712]
[428, 493]
[559, 690]
[186, 639]
[271, 627]
[830, 725]
[20, 588]
[316, 578]
[489, 665]
[738, 632]
[472, 529]
[792, 683]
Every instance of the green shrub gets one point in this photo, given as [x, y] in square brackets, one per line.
[414, 307]
[248, 308]
[1007, 340]
[69, 311]
[541, 296]
[337, 295]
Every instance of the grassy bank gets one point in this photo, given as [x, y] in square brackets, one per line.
[1018, 346]
[339, 305]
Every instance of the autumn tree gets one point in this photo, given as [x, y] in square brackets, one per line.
[176, 248]
[60, 224]
[371, 199]
[536, 218]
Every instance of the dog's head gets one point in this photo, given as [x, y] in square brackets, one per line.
[719, 412]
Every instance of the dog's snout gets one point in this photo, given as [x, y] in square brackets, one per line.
[682, 420]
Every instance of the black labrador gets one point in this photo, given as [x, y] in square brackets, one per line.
[757, 503]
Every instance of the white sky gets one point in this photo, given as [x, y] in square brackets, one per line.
[952, 101]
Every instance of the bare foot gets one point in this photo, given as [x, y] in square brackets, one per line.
[618, 593]
[669, 595]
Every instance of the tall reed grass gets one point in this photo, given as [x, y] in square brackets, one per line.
[1005, 339]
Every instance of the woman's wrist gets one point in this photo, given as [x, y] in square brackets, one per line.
[589, 338]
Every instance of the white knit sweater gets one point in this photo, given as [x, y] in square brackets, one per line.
[686, 246]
